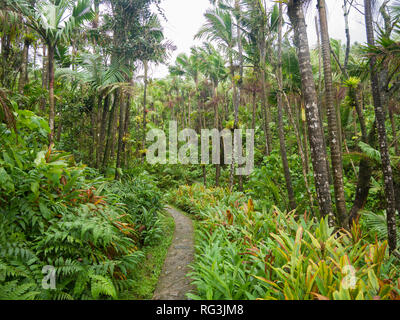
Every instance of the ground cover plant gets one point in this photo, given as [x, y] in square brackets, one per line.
[243, 253]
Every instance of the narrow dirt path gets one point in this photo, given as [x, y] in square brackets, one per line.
[173, 283]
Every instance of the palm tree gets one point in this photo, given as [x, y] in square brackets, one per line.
[286, 170]
[188, 66]
[318, 153]
[212, 66]
[54, 21]
[261, 28]
[334, 138]
[152, 50]
[380, 124]
[102, 81]
[221, 29]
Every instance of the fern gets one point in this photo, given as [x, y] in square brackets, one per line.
[370, 152]
[101, 285]
[13, 290]
[376, 225]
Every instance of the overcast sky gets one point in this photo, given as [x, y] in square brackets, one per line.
[185, 17]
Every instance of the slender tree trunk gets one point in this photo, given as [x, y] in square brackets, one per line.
[364, 179]
[266, 112]
[51, 93]
[237, 88]
[126, 129]
[110, 131]
[23, 79]
[285, 164]
[380, 123]
[144, 106]
[346, 12]
[253, 116]
[114, 127]
[92, 145]
[318, 154]
[319, 60]
[304, 132]
[59, 130]
[45, 75]
[304, 163]
[102, 133]
[120, 138]
[334, 141]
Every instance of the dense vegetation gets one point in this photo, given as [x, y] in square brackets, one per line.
[301, 259]
[318, 218]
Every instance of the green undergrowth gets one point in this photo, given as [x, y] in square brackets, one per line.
[146, 278]
[59, 214]
[243, 252]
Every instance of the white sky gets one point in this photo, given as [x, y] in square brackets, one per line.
[185, 17]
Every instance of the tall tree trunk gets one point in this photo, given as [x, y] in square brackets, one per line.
[266, 112]
[304, 161]
[51, 93]
[114, 128]
[318, 154]
[145, 64]
[45, 76]
[380, 124]
[102, 133]
[346, 12]
[237, 88]
[319, 60]
[120, 138]
[334, 141]
[110, 131]
[23, 78]
[92, 146]
[285, 164]
[254, 104]
[126, 128]
[364, 179]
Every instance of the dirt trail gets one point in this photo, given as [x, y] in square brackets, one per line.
[173, 283]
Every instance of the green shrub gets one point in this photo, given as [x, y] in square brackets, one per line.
[54, 212]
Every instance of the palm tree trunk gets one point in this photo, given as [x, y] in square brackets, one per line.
[266, 112]
[364, 179]
[114, 128]
[347, 31]
[334, 140]
[318, 154]
[23, 79]
[110, 131]
[51, 93]
[380, 123]
[126, 128]
[144, 105]
[123, 105]
[45, 75]
[102, 133]
[92, 146]
[285, 164]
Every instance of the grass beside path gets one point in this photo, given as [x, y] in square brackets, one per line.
[147, 277]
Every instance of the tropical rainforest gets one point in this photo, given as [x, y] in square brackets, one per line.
[317, 218]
